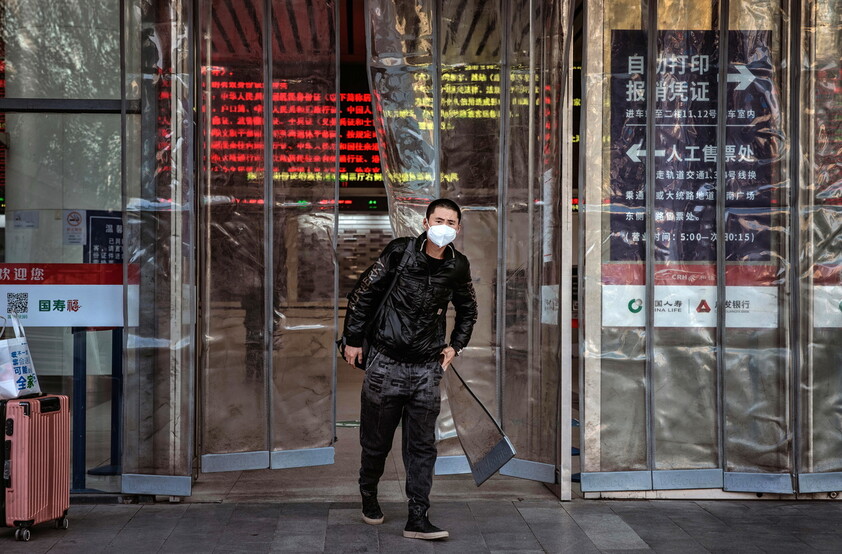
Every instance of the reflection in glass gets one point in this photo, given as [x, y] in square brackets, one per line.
[160, 251]
[61, 49]
[234, 365]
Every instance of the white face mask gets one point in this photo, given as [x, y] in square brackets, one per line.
[441, 235]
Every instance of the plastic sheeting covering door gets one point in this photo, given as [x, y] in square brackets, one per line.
[687, 362]
[268, 215]
[159, 250]
[467, 99]
[818, 247]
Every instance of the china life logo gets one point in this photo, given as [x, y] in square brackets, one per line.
[635, 305]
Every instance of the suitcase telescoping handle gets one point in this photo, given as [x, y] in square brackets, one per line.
[49, 404]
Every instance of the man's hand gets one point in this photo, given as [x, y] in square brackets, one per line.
[447, 356]
[353, 354]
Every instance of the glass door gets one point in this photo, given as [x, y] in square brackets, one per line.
[687, 357]
[268, 213]
[819, 219]
[469, 103]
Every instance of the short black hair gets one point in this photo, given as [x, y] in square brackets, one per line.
[444, 203]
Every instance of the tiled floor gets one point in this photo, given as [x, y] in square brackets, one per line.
[475, 526]
[316, 510]
[338, 482]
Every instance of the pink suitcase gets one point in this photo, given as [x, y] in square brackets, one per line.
[36, 463]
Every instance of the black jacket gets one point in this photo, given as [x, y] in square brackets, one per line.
[411, 327]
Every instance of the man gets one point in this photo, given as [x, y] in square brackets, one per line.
[407, 354]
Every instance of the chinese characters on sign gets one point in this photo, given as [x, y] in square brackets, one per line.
[22, 367]
[686, 148]
[685, 180]
[59, 295]
[690, 306]
[104, 244]
[21, 272]
[59, 305]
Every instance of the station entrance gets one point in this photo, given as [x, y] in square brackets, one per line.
[282, 239]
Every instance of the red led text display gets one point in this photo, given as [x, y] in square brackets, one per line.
[304, 127]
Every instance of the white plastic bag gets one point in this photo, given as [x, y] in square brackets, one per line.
[17, 373]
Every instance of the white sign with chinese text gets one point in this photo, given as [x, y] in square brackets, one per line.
[690, 306]
[63, 295]
[827, 306]
[64, 305]
[25, 219]
[549, 304]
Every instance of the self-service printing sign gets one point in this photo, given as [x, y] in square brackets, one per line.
[686, 151]
[63, 295]
[686, 181]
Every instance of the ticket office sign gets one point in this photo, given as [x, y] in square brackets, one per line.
[686, 150]
[64, 295]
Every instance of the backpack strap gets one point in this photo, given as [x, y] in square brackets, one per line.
[404, 260]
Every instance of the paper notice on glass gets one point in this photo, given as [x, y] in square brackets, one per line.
[486, 446]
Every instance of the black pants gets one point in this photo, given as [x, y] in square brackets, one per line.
[395, 392]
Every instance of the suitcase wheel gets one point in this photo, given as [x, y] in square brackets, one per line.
[62, 523]
[22, 534]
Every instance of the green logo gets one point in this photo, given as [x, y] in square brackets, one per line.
[635, 305]
[840, 306]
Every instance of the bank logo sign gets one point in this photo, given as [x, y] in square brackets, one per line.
[692, 306]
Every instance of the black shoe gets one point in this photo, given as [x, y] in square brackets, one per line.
[372, 514]
[419, 527]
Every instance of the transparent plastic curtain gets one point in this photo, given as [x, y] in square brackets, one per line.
[304, 288]
[659, 393]
[757, 381]
[160, 243]
[683, 372]
[402, 73]
[268, 218]
[820, 218]
[613, 356]
[466, 107]
[234, 207]
[472, 61]
[533, 52]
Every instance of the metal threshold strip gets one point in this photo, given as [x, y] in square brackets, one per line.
[820, 482]
[263, 459]
[671, 479]
[779, 483]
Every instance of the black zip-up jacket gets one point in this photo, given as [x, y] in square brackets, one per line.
[411, 327]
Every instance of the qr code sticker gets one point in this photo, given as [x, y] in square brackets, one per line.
[18, 302]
